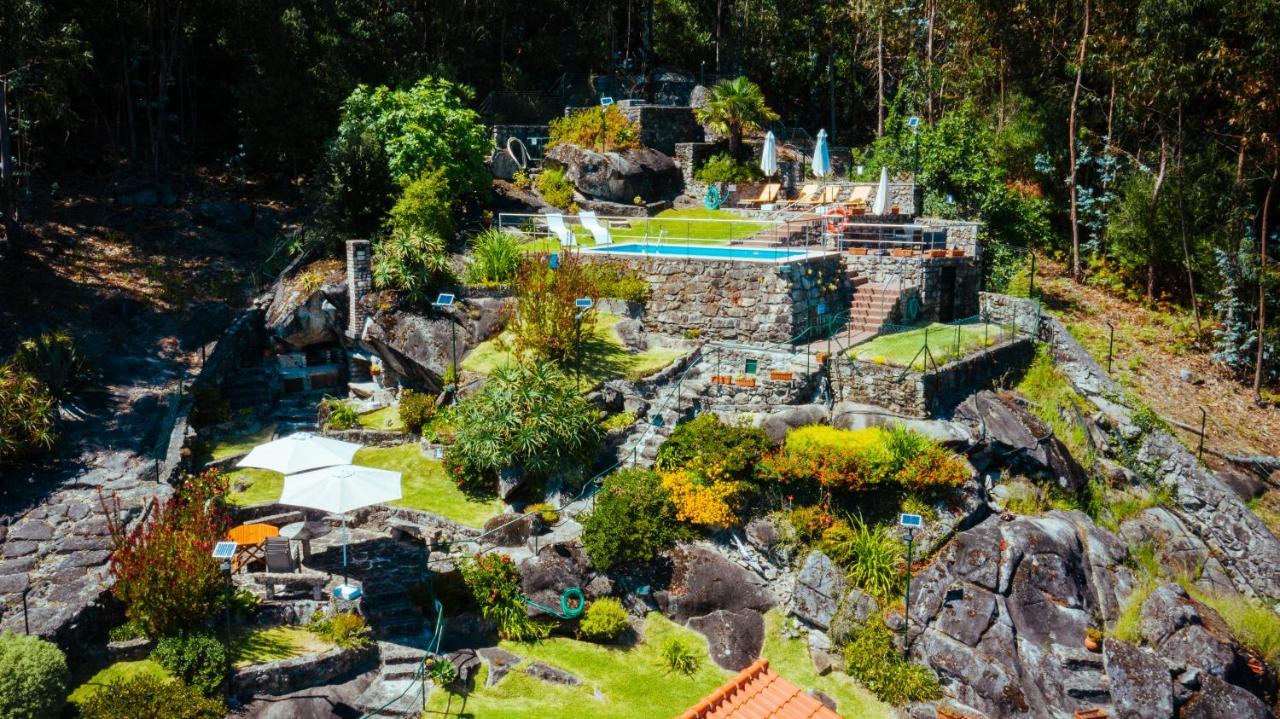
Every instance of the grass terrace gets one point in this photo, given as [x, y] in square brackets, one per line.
[271, 644]
[120, 671]
[901, 349]
[241, 444]
[687, 226]
[386, 419]
[605, 356]
[424, 484]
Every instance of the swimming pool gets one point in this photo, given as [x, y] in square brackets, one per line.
[706, 252]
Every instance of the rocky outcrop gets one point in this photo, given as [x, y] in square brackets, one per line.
[1177, 549]
[703, 581]
[1190, 637]
[1020, 439]
[1140, 684]
[618, 176]
[418, 345]
[508, 530]
[1220, 700]
[555, 568]
[302, 317]
[819, 588]
[734, 638]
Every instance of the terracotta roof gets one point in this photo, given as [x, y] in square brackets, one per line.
[759, 693]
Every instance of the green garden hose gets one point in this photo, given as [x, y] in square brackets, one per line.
[567, 610]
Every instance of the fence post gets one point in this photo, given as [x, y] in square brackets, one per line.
[1204, 416]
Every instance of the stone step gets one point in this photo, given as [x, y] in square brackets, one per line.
[394, 698]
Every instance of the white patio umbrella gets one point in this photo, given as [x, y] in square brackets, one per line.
[769, 155]
[821, 156]
[339, 490]
[299, 453]
[882, 193]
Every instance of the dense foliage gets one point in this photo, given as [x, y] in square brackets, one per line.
[617, 281]
[589, 126]
[146, 695]
[529, 417]
[27, 414]
[605, 620]
[546, 322]
[494, 582]
[416, 410]
[345, 629]
[164, 573]
[425, 206]
[734, 108]
[495, 257]
[554, 187]
[633, 520]
[199, 660]
[55, 358]
[714, 449]
[723, 168]
[878, 665]
[414, 263]
[33, 677]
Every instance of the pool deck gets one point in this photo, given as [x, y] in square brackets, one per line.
[723, 253]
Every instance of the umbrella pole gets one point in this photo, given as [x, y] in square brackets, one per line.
[344, 549]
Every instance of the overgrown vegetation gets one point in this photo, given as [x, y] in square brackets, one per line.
[33, 677]
[56, 359]
[416, 410]
[495, 257]
[554, 187]
[874, 661]
[546, 323]
[589, 127]
[145, 695]
[723, 168]
[345, 629]
[633, 520]
[199, 660]
[412, 262]
[27, 409]
[425, 206]
[494, 582]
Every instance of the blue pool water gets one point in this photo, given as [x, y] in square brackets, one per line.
[710, 252]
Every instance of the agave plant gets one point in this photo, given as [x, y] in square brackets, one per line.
[56, 360]
[495, 257]
[26, 414]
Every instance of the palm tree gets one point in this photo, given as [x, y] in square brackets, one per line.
[735, 107]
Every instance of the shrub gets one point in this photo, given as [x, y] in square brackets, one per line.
[722, 168]
[680, 658]
[1252, 624]
[878, 665]
[357, 187]
[934, 468]
[614, 279]
[583, 128]
[56, 360]
[546, 512]
[711, 504]
[554, 187]
[150, 696]
[345, 629]
[545, 321]
[494, 582]
[871, 553]
[339, 414]
[26, 414]
[621, 420]
[495, 258]
[33, 677]
[633, 520]
[604, 621]
[127, 631]
[527, 416]
[713, 449]
[425, 207]
[412, 262]
[416, 410]
[521, 180]
[197, 659]
[164, 573]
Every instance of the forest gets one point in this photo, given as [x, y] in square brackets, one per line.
[1137, 141]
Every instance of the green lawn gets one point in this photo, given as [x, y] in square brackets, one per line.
[117, 671]
[627, 680]
[790, 658]
[605, 356]
[242, 443]
[673, 224]
[424, 484]
[387, 418]
[633, 683]
[269, 644]
[900, 348]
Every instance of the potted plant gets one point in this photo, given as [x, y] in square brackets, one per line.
[957, 252]
[823, 357]
[721, 379]
[780, 376]
[900, 252]
[937, 253]
[744, 381]
[857, 250]
[1093, 639]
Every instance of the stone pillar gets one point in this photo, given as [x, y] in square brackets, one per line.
[359, 282]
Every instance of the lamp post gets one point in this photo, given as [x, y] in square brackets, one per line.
[914, 124]
[584, 305]
[444, 301]
[224, 551]
[911, 522]
[605, 102]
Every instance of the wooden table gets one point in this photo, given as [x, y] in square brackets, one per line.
[249, 539]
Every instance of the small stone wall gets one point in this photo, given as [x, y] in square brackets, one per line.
[1023, 313]
[741, 301]
[925, 394]
[359, 282]
[961, 234]
[370, 437]
[925, 274]
[290, 675]
[731, 361]
[662, 127]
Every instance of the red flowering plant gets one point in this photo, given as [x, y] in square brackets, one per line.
[163, 570]
[494, 582]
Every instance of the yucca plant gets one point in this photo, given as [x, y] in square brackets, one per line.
[26, 414]
[411, 262]
[495, 257]
[872, 555]
[56, 360]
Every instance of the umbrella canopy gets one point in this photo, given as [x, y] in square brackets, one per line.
[299, 453]
[341, 489]
[882, 194]
[821, 156]
[769, 155]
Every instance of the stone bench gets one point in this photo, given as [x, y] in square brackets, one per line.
[315, 581]
[402, 529]
[281, 518]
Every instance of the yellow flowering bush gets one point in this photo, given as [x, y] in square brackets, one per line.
[710, 504]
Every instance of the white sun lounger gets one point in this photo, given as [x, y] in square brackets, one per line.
[555, 223]
[598, 230]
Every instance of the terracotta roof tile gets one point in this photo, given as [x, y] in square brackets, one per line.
[759, 693]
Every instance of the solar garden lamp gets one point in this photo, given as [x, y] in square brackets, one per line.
[224, 551]
[910, 522]
[444, 301]
[914, 124]
[605, 102]
[584, 305]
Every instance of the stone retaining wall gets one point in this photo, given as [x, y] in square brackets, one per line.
[925, 394]
[663, 127]
[290, 675]
[925, 273]
[1023, 313]
[740, 301]
[370, 437]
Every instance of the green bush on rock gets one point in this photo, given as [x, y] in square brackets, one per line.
[604, 621]
[413, 262]
[874, 661]
[495, 258]
[633, 520]
[494, 582]
[197, 659]
[713, 449]
[416, 410]
[554, 187]
[149, 696]
[425, 206]
[33, 677]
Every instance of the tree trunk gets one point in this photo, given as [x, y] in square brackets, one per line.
[880, 79]
[8, 214]
[1260, 360]
[1076, 273]
[928, 62]
[1182, 221]
[1151, 221]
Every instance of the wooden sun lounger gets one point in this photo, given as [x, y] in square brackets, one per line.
[829, 196]
[860, 197]
[768, 193]
[807, 193]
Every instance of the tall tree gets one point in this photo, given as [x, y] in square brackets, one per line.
[1076, 273]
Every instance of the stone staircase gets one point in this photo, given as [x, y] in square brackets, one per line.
[872, 305]
[251, 387]
[297, 413]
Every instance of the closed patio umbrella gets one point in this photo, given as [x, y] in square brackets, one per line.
[299, 453]
[882, 193]
[769, 155]
[339, 490]
[821, 156]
